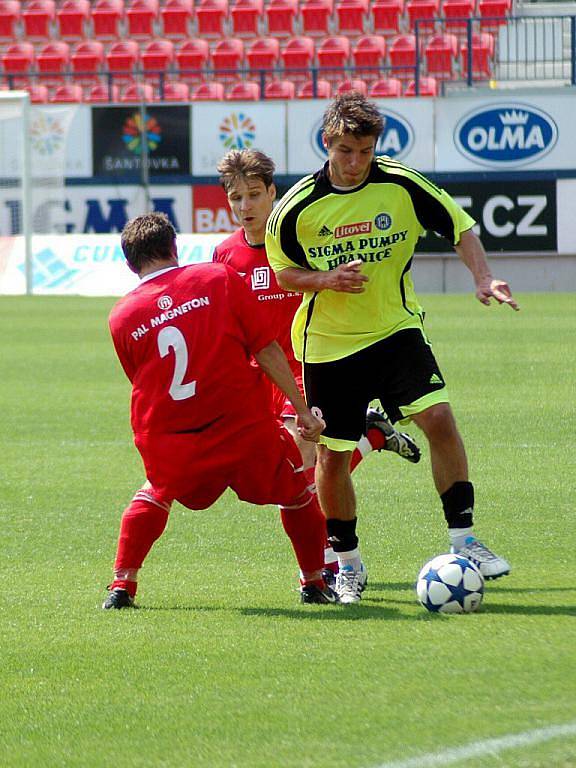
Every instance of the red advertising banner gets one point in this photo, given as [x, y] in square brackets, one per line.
[210, 211]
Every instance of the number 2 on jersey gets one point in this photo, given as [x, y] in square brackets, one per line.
[171, 338]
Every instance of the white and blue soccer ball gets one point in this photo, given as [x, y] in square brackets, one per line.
[450, 584]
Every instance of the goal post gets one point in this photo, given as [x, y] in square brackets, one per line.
[16, 180]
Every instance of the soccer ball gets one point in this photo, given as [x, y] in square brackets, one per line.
[450, 584]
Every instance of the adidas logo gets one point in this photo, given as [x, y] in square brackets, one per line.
[325, 231]
[435, 379]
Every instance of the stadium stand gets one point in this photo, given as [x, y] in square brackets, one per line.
[351, 17]
[211, 16]
[245, 16]
[38, 93]
[138, 92]
[175, 91]
[141, 17]
[72, 19]
[263, 53]
[52, 61]
[354, 84]
[493, 13]
[107, 19]
[427, 86]
[281, 17]
[280, 89]
[68, 93]
[244, 90]
[87, 61]
[298, 53]
[156, 57]
[386, 16]
[333, 53]
[122, 58]
[402, 54]
[323, 90]
[209, 91]
[482, 56]
[368, 55]
[101, 92]
[441, 55]
[176, 18]
[191, 58]
[9, 19]
[18, 62]
[37, 18]
[388, 88]
[455, 13]
[423, 11]
[227, 56]
[315, 17]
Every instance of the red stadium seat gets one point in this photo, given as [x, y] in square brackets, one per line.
[281, 16]
[18, 61]
[9, 19]
[245, 90]
[389, 88]
[210, 17]
[423, 11]
[176, 16]
[298, 53]
[141, 16]
[280, 89]
[368, 55]
[402, 53]
[333, 54]
[52, 61]
[176, 91]
[138, 92]
[427, 86]
[72, 19]
[316, 15]
[38, 93]
[38, 17]
[482, 56]
[122, 58]
[156, 57]
[87, 61]
[493, 13]
[440, 54]
[351, 16]
[263, 53]
[227, 56]
[69, 93]
[209, 92]
[455, 13]
[246, 15]
[191, 58]
[323, 90]
[107, 17]
[355, 84]
[100, 93]
[386, 15]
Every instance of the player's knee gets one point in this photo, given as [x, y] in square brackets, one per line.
[438, 423]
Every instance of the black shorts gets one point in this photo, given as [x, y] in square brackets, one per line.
[400, 371]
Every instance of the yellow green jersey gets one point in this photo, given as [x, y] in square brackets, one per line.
[318, 227]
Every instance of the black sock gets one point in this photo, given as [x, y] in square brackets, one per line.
[342, 534]
[458, 503]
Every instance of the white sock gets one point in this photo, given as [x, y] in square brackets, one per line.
[350, 558]
[330, 556]
[364, 446]
[458, 536]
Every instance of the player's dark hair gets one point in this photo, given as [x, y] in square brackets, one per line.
[352, 114]
[245, 164]
[147, 238]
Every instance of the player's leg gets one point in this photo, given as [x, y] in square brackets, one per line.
[417, 391]
[380, 435]
[142, 524]
[275, 474]
[345, 420]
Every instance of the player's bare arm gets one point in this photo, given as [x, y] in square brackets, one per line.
[273, 362]
[471, 252]
[347, 278]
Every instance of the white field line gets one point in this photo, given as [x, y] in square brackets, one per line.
[486, 747]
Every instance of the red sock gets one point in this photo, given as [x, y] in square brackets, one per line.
[376, 442]
[306, 529]
[142, 523]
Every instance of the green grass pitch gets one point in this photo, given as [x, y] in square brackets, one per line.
[222, 667]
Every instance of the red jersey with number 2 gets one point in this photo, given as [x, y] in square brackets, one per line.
[184, 337]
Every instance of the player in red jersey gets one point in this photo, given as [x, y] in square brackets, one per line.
[247, 176]
[184, 337]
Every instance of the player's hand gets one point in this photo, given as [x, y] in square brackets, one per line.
[347, 278]
[310, 424]
[489, 289]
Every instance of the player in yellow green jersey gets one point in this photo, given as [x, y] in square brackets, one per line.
[345, 237]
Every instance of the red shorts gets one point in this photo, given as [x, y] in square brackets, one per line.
[259, 461]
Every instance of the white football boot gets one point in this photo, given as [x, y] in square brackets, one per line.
[491, 566]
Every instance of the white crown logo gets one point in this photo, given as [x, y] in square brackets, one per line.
[514, 118]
